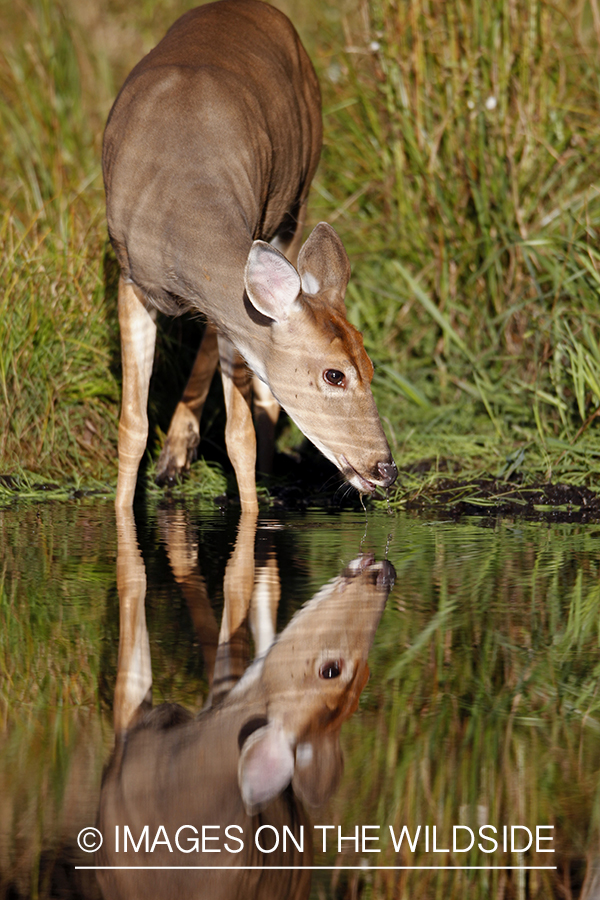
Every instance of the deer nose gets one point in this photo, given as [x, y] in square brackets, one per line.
[388, 472]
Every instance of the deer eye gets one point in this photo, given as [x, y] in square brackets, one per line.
[334, 377]
[330, 669]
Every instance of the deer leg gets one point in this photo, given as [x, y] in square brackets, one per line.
[238, 584]
[265, 598]
[266, 414]
[133, 690]
[138, 338]
[182, 551]
[240, 437]
[184, 431]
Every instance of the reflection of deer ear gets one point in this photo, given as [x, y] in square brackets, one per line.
[265, 768]
[319, 766]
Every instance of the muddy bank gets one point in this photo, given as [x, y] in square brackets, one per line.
[483, 496]
[308, 481]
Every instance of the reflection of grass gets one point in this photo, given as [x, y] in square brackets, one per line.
[53, 590]
[483, 697]
[482, 707]
[59, 633]
[460, 169]
[55, 572]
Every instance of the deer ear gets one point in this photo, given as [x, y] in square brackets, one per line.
[323, 263]
[319, 767]
[265, 768]
[272, 283]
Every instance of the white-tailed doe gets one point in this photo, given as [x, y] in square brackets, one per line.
[209, 152]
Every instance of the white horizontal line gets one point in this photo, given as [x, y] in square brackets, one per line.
[317, 868]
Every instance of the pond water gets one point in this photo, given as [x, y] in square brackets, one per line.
[474, 747]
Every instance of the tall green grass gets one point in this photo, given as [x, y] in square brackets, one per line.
[463, 154]
[460, 167]
[58, 386]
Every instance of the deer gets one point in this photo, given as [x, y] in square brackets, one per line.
[263, 750]
[208, 155]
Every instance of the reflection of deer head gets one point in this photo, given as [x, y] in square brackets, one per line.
[310, 682]
[246, 761]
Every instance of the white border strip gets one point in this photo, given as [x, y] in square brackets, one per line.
[319, 868]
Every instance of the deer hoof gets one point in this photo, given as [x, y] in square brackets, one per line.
[180, 447]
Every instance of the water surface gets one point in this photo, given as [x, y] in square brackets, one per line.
[481, 709]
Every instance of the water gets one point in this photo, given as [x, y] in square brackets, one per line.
[481, 710]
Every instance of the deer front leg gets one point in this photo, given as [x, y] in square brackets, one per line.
[138, 339]
[266, 414]
[238, 585]
[240, 437]
[133, 690]
[182, 550]
[184, 431]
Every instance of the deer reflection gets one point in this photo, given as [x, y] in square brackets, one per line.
[229, 788]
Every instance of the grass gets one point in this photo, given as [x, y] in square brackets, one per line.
[461, 169]
[59, 337]
[473, 139]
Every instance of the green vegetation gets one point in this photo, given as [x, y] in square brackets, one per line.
[58, 329]
[466, 136]
[460, 168]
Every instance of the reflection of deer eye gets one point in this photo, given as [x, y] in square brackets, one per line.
[331, 669]
[334, 377]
